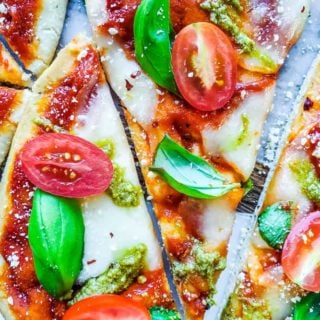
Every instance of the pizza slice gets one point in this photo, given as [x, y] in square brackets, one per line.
[196, 112]
[32, 30]
[282, 270]
[12, 104]
[74, 223]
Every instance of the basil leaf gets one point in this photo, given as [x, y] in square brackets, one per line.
[248, 186]
[308, 308]
[152, 31]
[275, 223]
[188, 173]
[159, 313]
[56, 236]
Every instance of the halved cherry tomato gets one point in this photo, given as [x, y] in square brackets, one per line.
[301, 253]
[66, 165]
[204, 66]
[107, 307]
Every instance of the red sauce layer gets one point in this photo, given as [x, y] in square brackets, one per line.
[29, 300]
[73, 93]
[153, 291]
[6, 100]
[20, 19]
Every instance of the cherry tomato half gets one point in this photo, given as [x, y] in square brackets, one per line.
[66, 165]
[204, 66]
[107, 307]
[301, 253]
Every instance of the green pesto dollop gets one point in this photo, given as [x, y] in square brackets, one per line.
[159, 313]
[220, 14]
[306, 176]
[123, 192]
[244, 308]
[118, 277]
[107, 146]
[204, 263]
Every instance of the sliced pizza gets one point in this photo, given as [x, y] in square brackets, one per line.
[32, 30]
[75, 230]
[282, 269]
[196, 111]
[12, 104]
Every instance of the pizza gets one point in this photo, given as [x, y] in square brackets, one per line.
[12, 103]
[196, 81]
[31, 30]
[74, 223]
[282, 269]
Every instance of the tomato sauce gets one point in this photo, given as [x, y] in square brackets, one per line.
[71, 96]
[7, 97]
[28, 299]
[20, 18]
[153, 291]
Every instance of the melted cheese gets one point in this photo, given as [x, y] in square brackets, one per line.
[110, 229]
[218, 217]
[217, 141]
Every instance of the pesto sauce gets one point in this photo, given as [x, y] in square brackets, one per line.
[243, 308]
[224, 14]
[122, 192]
[306, 176]
[159, 313]
[205, 264]
[219, 14]
[118, 277]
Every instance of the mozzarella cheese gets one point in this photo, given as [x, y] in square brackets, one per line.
[217, 141]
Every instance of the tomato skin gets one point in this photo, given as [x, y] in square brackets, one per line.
[66, 165]
[301, 255]
[107, 307]
[205, 66]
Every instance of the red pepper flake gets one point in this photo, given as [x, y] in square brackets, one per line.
[111, 235]
[129, 86]
[308, 104]
[135, 74]
[91, 262]
[303, 9]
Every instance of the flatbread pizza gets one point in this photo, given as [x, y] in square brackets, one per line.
[74, 223]
[32, 30]
[282, 269]
[196, 80]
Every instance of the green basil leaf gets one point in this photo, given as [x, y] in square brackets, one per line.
[56, 236]
[159, 313]
[188, 173]
[152, 31]
[275, 223]
[308, 308]
[248, 186]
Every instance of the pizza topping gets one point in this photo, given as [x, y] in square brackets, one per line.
[152, 35]
[56, 236]
[123, 192]
[6, 99]
[66, 165]
[308, 308]
[188, 173]
[306, 176]
[275, 223]
[300, 254]
[314, 147]
[159, 313]
[118, 276]
[107, 146]
[205, 264]
[204, 66]
[107, 306]
[18, 19]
